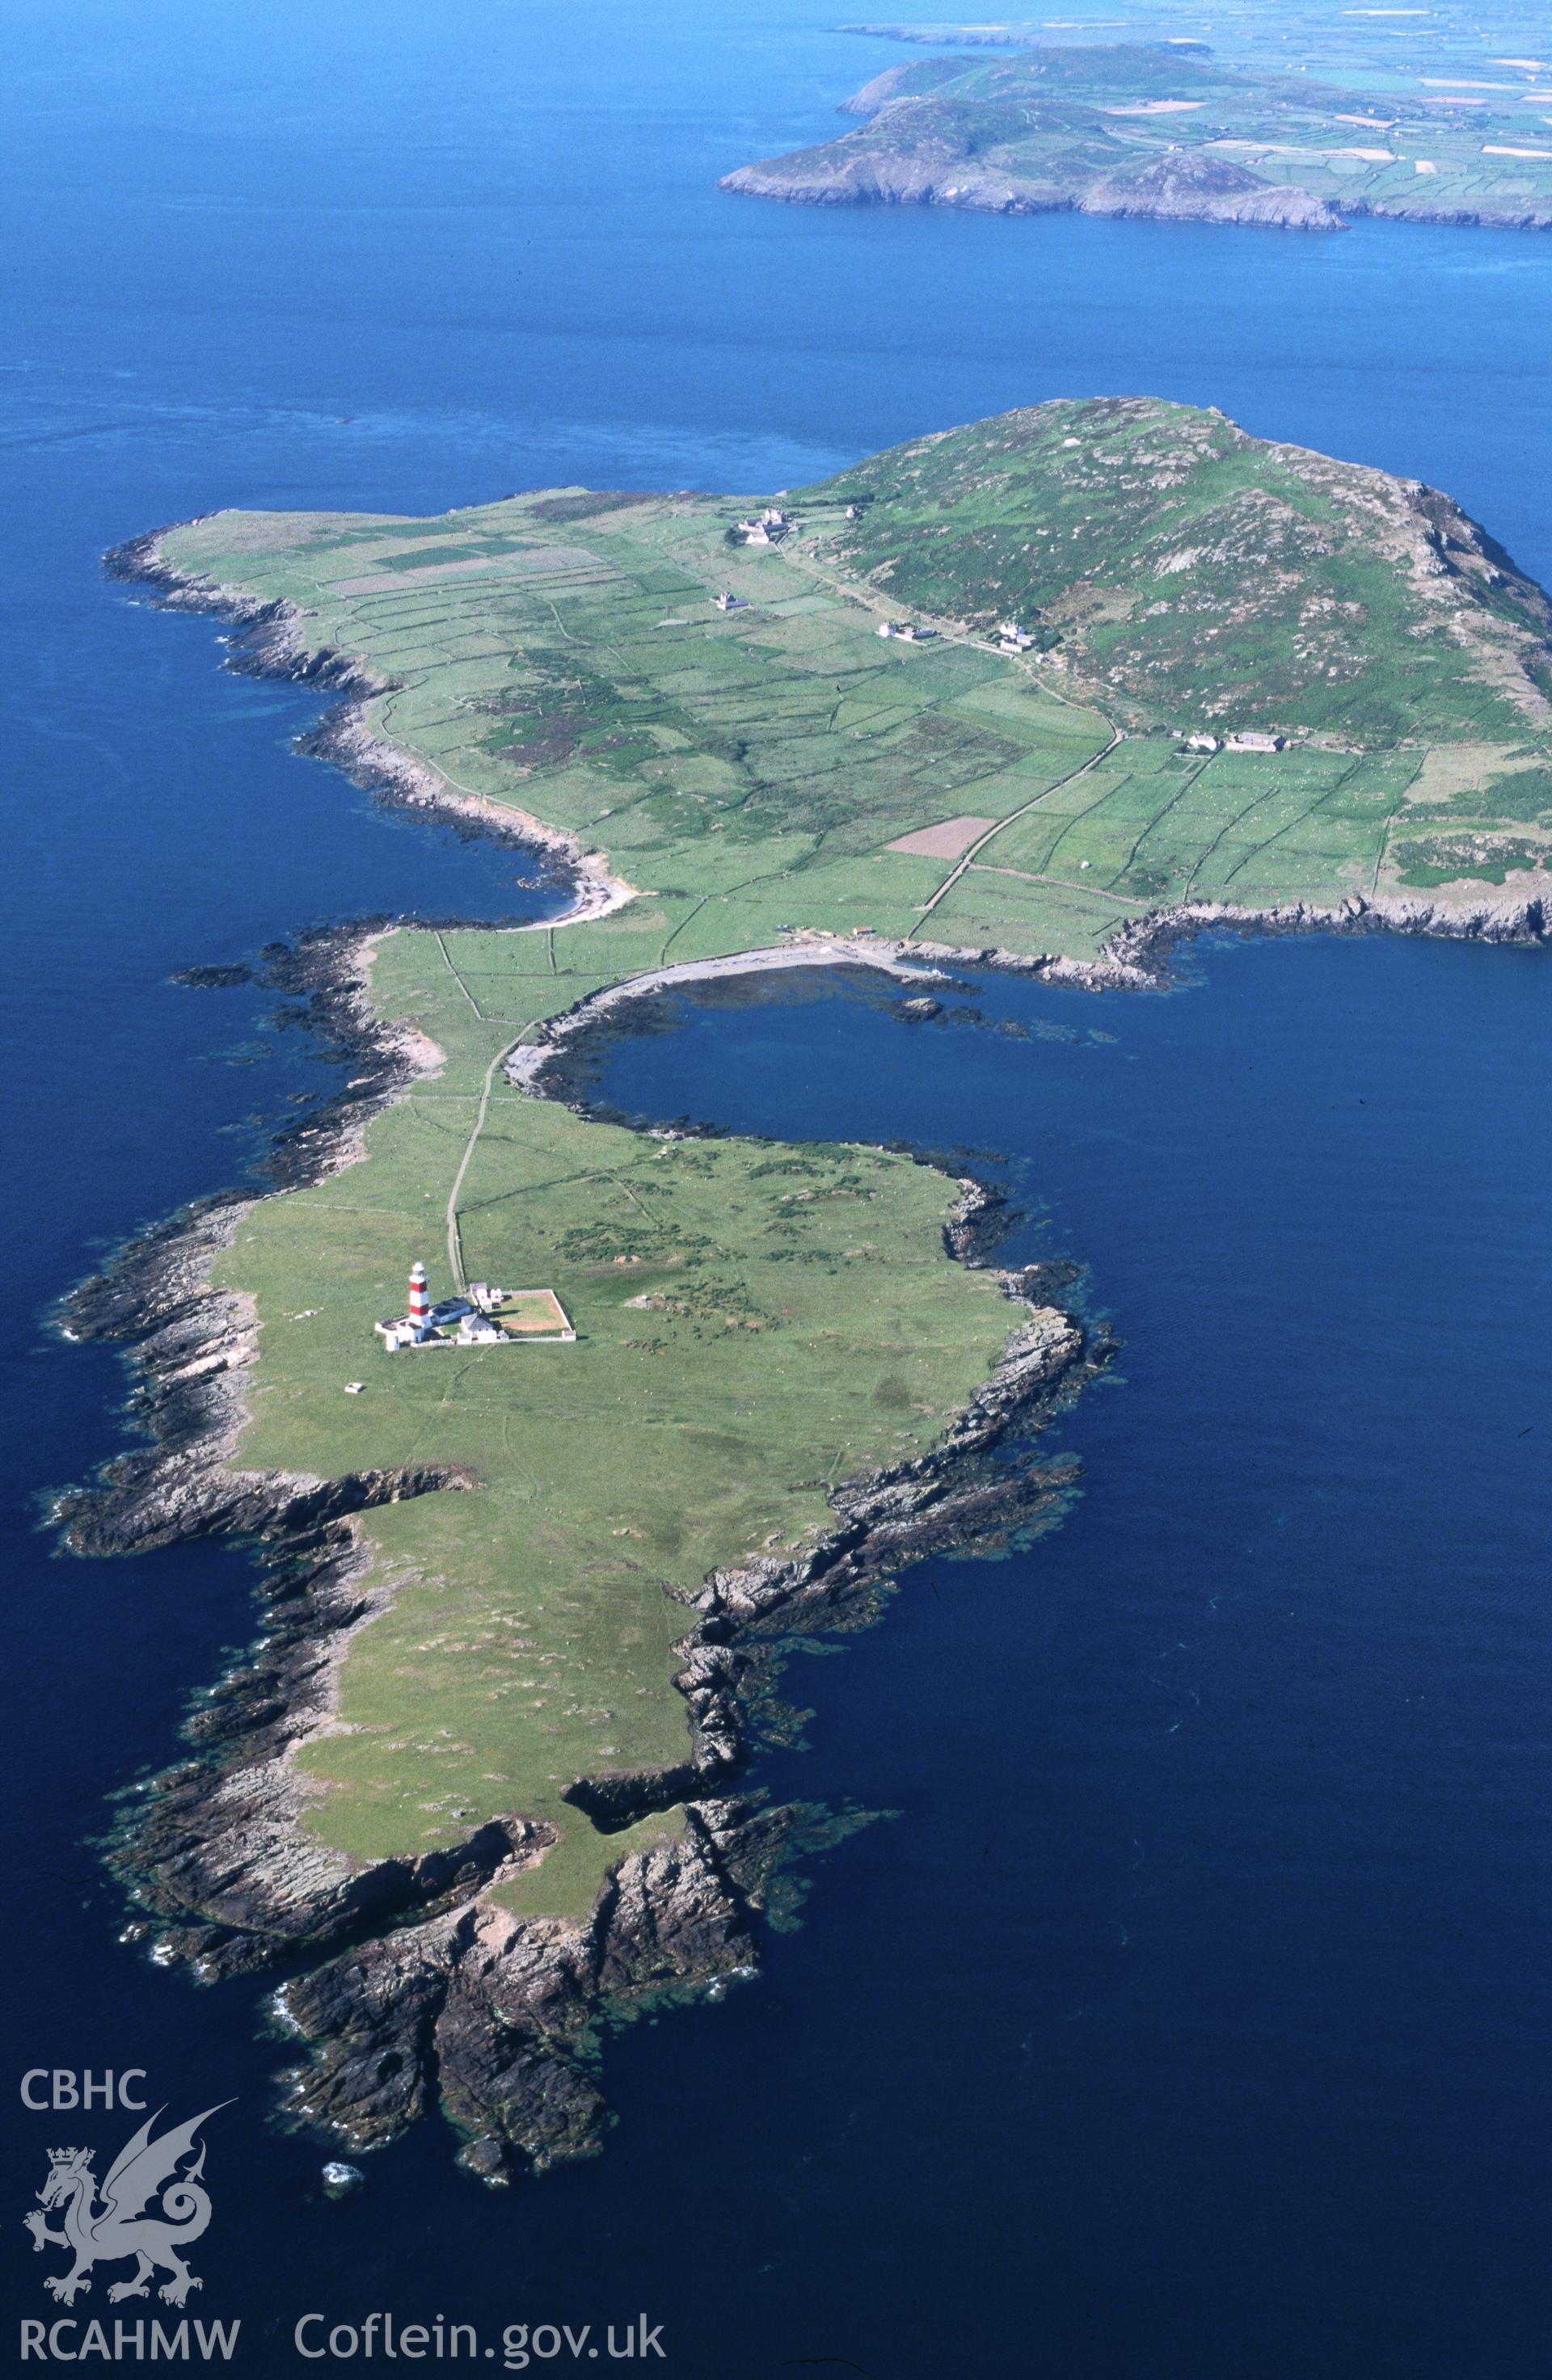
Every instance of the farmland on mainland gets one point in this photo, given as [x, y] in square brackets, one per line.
[1158, 128]
[757, 1324]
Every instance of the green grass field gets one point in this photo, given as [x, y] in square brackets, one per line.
[755, 1323]
[563, 656]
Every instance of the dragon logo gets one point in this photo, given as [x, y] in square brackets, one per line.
[144, 2175]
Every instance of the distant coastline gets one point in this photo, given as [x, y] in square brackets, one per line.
[1158, 130]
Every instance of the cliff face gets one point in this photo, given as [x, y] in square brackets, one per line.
[1478, 215]
[882, 176]
[492, 2015]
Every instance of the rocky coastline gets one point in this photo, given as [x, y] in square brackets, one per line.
[192, 1342]
[912, 158]
[411, 1984]
[499, 2014]
[1180, 187]
[1137, 957]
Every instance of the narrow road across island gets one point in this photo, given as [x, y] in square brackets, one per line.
[455, 1238]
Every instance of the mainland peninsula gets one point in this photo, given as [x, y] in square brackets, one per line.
[1050, 691]
[1159, 129]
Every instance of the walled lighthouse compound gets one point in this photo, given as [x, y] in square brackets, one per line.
[482, 1317]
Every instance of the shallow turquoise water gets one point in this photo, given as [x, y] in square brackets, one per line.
[1158, 2036]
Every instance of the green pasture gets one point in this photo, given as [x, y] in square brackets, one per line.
[750, 769]
[754, 1323]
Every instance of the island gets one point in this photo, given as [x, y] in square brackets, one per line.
[1159, 129]
[552, 1430]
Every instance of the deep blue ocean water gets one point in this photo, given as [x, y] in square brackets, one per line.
[1189, 2020]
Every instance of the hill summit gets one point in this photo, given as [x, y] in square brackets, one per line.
[1195, 570]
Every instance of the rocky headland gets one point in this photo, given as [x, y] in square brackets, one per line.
[408, 1979]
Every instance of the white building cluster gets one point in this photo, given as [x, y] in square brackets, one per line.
[471, 1319]
[768, 529]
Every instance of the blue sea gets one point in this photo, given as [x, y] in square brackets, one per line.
[1188, 2019]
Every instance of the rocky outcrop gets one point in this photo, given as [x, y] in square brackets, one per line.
[494, 2014]
[267, 642]
[1136, 958]
[956, 1494]
[879, 175]
[1192, 186]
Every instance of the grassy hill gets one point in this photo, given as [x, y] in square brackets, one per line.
[1201, 572]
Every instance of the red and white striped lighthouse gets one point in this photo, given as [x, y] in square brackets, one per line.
[418, 1303]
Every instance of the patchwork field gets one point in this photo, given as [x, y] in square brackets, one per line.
[782, 769]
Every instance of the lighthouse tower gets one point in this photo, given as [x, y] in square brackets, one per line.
[419, 1303]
